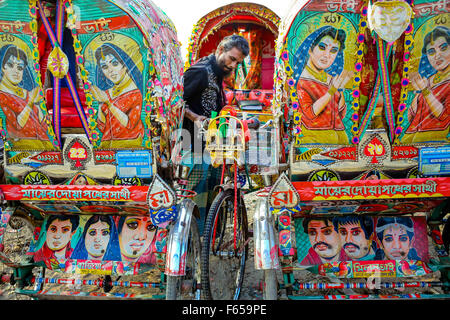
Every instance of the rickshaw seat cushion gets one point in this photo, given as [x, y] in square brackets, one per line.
[69, 114]
[234, 96]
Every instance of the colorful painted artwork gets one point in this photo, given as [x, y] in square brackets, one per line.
[23, 115]
[114, 62]
[322, 77]
[97, 237]
[427, 116]
[323, 240]
[370, 65]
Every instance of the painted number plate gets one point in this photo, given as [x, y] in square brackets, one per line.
[134, 164]
[434, 161]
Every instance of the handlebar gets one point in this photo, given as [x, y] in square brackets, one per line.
[252, 123]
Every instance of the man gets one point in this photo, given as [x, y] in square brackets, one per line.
[325, 242]
[203, 94]
[356, 234]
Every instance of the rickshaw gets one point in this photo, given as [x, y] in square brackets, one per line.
[91, 92]
[359, 208]
[232, 141]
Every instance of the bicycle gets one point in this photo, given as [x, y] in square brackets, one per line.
[226, 234]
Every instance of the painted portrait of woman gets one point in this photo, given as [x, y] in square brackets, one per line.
[19, 100]
[319, 73]
[429, 114]
[99, 240]
[119, 92]
[396, 238]
[137, 236]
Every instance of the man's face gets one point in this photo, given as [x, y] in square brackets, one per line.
[438, 54]
[229, 60]
[354, 240]
[59, 234]
[324, 239]
[396, 243]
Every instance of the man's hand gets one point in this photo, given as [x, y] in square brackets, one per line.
[199, 121]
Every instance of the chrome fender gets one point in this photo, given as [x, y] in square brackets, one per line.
[266, 247]
[177, 240]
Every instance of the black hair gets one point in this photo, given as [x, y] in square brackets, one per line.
[405, 221]
[74, 219]
[326, 220]
[439, 31]
[331, 32]
[234, 41]
[15, 52]
[366, 223]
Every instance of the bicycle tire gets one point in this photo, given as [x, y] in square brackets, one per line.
[215, 262]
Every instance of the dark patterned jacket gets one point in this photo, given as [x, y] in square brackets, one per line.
[203, 89]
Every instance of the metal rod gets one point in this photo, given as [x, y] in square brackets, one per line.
[364, 285]
[99, 282]
[371, 297]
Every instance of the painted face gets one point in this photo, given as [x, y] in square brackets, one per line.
[229, 60]
[97, 239]
[324, 239]
[112, 68]
[396, 243]
[324, 53]
[438, 54]
[59, 234]
[353, 240]
[13, 70]
[136, 235]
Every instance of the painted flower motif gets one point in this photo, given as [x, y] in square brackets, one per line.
[406, 56]
[360, 38]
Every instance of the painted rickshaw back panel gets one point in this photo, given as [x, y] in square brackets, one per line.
[361, 89]
[100, 85]
[149, 98]
[358, 133]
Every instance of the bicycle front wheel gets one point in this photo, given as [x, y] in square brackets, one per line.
[225, 247]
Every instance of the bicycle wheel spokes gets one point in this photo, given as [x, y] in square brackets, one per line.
[224, 256]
